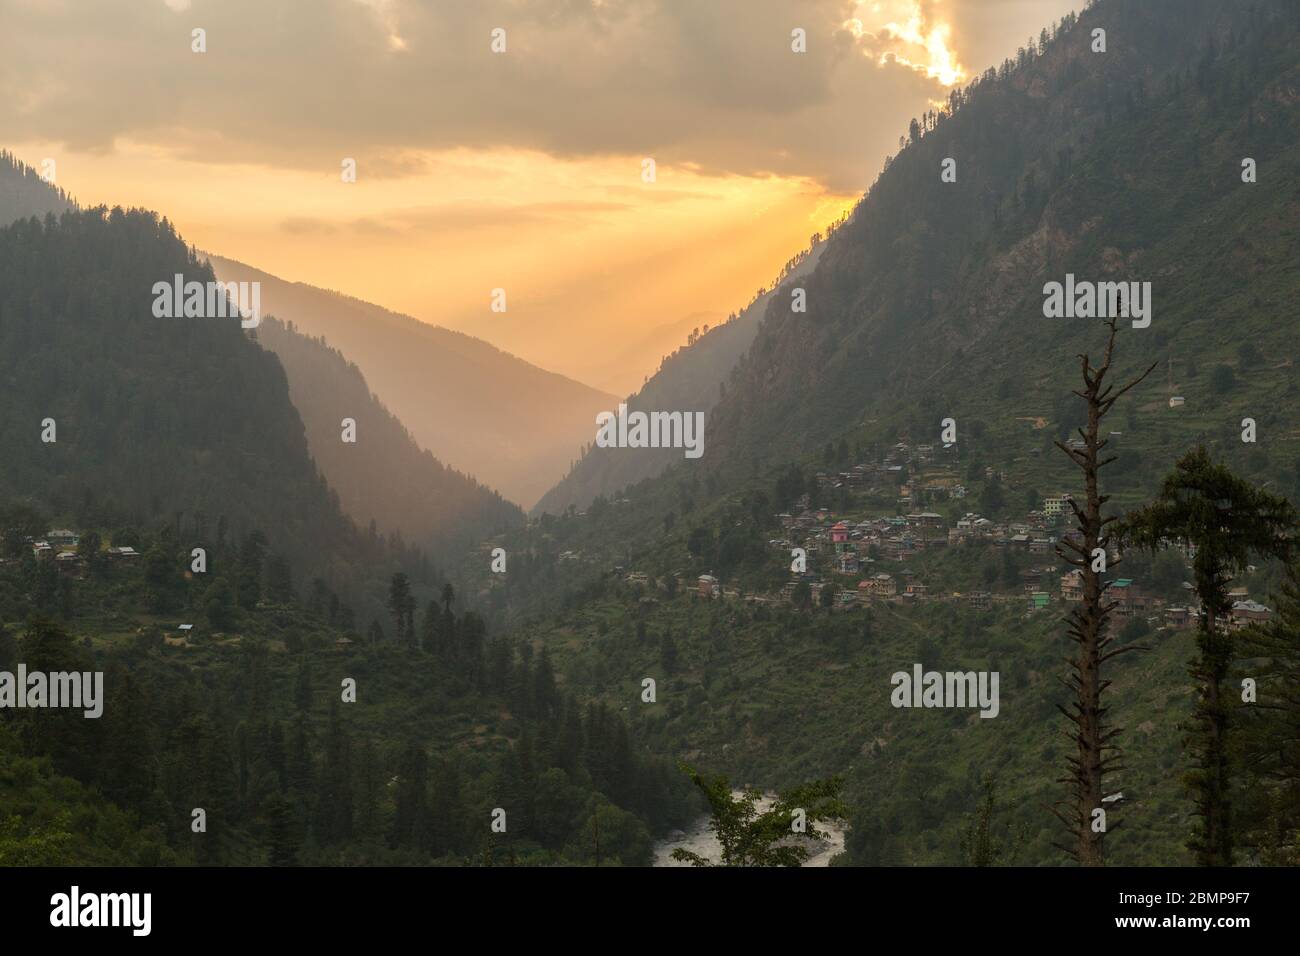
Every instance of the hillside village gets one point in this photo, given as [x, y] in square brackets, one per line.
[853, 557]
[63, 547]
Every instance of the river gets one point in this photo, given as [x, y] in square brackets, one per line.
[698, 838]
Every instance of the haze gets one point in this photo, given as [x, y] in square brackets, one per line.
[478, 170]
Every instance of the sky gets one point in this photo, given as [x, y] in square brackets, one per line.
[520, 169]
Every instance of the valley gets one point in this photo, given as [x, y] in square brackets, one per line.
[437, 581]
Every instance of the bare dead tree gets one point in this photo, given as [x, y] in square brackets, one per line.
[1096, 753]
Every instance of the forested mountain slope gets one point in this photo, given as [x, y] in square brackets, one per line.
[111, 417]
[222, 681]
[1118, 166]
[511, 425]
[23, 193]
[691, 379]
[385, 476]
[928, 303]
[1123, 165]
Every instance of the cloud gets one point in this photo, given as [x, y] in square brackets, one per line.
[302, 83]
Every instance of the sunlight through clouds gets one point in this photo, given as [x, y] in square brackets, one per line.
[387, 18]
[909, 33]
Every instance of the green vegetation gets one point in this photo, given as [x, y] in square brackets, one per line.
[527, 695]
[246, 716]
[777, 836]
[1228, 522]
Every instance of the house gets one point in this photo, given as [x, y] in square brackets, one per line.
[1245, 613]
[846, 563]
[1055, 506]
[846, 599]
[63, 538]
[70, 564]
[917, 591]
[925, 519]
[123, 554]
[1130, 600]
[978, 600]
[708, 586]
[839, 535]
[1072, 586]
[1179, 618]
[883, 585]
[42, 550]
[1038, 600]
[638, 577]
[899, 548]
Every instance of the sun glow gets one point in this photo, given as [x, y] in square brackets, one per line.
[915, 41]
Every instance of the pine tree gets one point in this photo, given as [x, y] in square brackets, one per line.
[1270, 730]
[283, 835]
[401, 605]
[446, 811]
[1096, 753]
[334, 809]
[411, 811]
[369, 786]
[1226, 519]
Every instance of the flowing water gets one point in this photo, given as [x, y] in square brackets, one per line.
[698, 838]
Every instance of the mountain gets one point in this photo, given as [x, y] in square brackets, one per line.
[1116, 166]
[690, 379]
[23, 193]
[511, 425]
[385, 476]
[112, 418]
[165, 434]
[928, 304]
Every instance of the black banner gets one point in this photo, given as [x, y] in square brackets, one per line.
[336, 905]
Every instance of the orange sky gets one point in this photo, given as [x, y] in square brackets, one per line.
[520, 170]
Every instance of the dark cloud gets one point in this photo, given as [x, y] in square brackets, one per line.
[302, 83]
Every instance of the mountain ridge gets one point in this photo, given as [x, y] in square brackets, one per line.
[483, 411]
